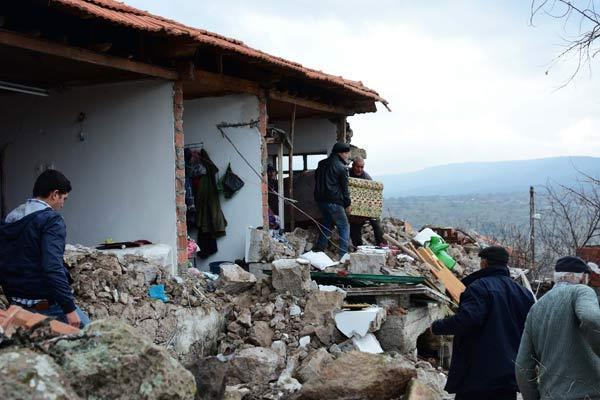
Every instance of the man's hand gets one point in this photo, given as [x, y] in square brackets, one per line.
[349, 210]
[73, 319]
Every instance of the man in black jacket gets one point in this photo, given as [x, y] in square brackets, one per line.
[487, 331]
[333, 197]
[32, 245]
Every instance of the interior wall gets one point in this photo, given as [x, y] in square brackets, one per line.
[245, 208]
[311, 135]
[122, 173]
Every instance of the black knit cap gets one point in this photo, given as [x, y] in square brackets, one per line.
[340, 147]
[571, 264]
[495, 255]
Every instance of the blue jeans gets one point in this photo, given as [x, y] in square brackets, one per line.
[56, 312]
[334, 214]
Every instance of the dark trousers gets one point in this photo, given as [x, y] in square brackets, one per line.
[494, 395]
[356, 232]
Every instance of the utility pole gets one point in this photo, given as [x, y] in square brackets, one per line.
[532, 225]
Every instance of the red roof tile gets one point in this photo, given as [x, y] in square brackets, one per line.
[122, 14]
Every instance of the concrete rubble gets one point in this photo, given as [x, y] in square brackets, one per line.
[250, 335]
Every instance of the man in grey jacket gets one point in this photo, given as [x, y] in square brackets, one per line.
[559, 355]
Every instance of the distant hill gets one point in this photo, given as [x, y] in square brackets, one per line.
[487, 177]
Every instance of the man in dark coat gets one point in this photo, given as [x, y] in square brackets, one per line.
[333, 197]
[32, 245]
[356, 223]
[487, 330]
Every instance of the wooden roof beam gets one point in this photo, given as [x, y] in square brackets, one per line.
[78, 54]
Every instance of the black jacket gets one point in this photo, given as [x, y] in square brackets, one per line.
[487, 332]
[31, 259]
[331, 181]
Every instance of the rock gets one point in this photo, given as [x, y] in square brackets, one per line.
[285, 380]
[257, 269]
[313, 364]
[366, 263]
[234, 279]
[261, 334]
[236, 392]
[291, 276]
[112, 361]
[258, 365]
[417, 390]
[245, 318]
[319, 311]
[295, 310]
[27, 375]
[433, 379]
[211, 375]
[358, 375]
[280, 348]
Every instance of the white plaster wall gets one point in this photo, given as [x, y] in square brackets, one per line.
[245, 208]
[123, 173]
[311, 135]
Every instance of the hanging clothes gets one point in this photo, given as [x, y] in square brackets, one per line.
[210, 220]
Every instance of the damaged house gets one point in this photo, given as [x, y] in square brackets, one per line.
[112, 96]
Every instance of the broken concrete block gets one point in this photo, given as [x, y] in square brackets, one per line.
[113, 362]
[257, 364]
[196, 333]
[291, 276]
[234, 279]
[261, 334]
[237, 392]
[357, 375]
[417, 390]
[245, 318]
[361, 263]
[27, 375]
[400, 332]
[319, 311]
[313, 364]
[360, 322]
[295, 310]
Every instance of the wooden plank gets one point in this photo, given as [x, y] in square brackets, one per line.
[454, 286]
[224, 83]
[311, 104]
[291, 167]
[399, 245]
[12, 39]
[280, 204]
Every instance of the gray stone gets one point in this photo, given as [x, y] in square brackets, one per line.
[312, 365]
[237, 392]
[28, 375]
[234, 279]
[366, 263]
[258, 365]
[280, 348]
[113, 362]
[291, 276]
[261, 334]
[357, 375]
[295, 310]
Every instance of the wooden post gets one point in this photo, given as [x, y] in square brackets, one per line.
[281, 206]
[341, 130]
[291, 168]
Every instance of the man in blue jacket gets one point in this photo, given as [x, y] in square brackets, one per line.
[32, 245]
[487, 330]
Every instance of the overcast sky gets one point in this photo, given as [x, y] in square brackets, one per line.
[466, 80]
